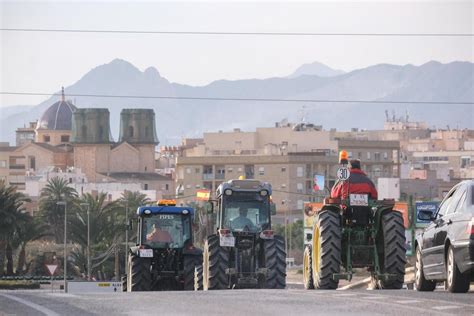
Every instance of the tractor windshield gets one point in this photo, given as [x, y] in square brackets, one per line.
[246, 211]
[166, 230]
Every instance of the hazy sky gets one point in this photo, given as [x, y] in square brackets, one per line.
[42, 62]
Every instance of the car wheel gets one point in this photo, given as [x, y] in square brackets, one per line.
[455, 281]
[421, 284]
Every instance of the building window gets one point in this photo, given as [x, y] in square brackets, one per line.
[101, 132]
[220, 172]
[465, 162]
[188, 170]
[239, 170]
[283, 186]
[130, 131]
[46, 138]
[359, 155]
[249, 171]
[283, 169]
[197, 170]
[198, 186]
[145, 186]
[299, 187]
[349, 154]
[188, 186]
[84, 131]
[385, 155]
[261, 171]
[368, 155]
[299, 171]
[377, 156]
[207, 172]
[64, 138]
[167, 187]
[147, 131]
[299, 204]
[3, 163]
[229, 170]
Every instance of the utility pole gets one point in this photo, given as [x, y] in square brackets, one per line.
[126, 237]
[117, 262]
[65, 243]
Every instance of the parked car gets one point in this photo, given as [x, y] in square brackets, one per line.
[445, 249]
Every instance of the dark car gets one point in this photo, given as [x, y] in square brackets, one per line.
[445, 249]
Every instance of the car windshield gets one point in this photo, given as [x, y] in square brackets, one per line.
[166, 230]
[245, 212]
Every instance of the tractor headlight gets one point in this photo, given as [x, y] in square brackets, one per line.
[264, 193]
[147, 212]
[228, 192]
[185, 212]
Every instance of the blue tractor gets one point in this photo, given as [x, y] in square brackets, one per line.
[164, 257]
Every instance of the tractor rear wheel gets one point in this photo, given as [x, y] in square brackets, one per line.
[275, 262]
[326, 250]
[307, 271]
[189, 263]
[392, 261]
[215, 263]
[198, 278]
[139, 274]
[124, 283]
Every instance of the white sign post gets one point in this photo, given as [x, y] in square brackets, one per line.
[51, 268]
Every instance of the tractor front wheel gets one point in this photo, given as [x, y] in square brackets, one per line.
[215, 263]
[392, 261]
[275, 262]
[139, 274]
[326, 250]
[189, 263]
[307, 271]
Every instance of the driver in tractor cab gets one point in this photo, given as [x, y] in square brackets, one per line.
[358, 183]
[242, 220]
[159, 235]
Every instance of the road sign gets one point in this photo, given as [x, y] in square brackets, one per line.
[343, 173]
[51, 268]
[95, 287]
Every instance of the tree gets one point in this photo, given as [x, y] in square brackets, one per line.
[13, 218]
[56, 190]
[133, 200]
[33, 230]
[106, 226]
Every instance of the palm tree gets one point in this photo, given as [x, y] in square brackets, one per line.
[12, 220]
[56, 190]
[33, 230]
[105, 220]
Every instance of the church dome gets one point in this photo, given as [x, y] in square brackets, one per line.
[58, 116]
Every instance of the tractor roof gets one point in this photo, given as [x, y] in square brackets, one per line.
[245, 186]
[165, 210]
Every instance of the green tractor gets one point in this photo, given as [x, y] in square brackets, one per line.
[355, 233]
[243, 252]
[164, 257]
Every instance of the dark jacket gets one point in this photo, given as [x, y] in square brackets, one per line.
[358, 182]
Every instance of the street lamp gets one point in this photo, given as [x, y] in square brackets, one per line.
[126, 237]
[88, 243]
[65, 240]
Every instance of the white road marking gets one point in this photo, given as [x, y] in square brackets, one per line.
[344, 295]
[37, 307]
[408, 301]
[441, 308]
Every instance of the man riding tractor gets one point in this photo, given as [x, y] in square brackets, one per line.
[358, 183]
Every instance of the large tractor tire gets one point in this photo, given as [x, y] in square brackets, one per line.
[189, 263]
[307, 271]
[215, 263]
[139, 274]
[326, 250]
[422, 284]
[198, 278]
[456, 282]
[124, 283]
[393, 259]
[275, 262]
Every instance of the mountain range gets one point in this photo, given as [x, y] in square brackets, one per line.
[177, 118]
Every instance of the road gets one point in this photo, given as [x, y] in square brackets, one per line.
[238, 302]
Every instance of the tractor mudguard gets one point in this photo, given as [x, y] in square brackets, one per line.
[134, 250]
[381, 210]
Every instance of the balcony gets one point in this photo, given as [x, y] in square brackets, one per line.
[208, 176]
[17, 167]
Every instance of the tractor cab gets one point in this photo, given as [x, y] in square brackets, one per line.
[244, 206]
[165, 226]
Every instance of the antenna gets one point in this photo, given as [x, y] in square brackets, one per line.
[393, 116]
[386, 116]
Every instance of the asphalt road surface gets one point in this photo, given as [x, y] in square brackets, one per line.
[239, 302]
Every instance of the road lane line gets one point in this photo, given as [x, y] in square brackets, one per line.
[441, 308]
[37, 307]
[408, 301]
